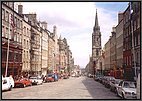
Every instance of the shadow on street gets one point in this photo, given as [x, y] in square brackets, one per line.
[97, 90]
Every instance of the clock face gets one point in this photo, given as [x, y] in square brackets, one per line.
[97, 43]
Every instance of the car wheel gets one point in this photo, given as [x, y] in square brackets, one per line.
[115, 90]
[10, 88]
[123, 97]
[24, 85]
[117, 93]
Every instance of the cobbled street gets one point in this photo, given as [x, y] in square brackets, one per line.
[72, 88]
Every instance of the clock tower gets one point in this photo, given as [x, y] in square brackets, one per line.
[96, 40]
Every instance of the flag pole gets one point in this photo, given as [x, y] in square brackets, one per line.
[7, 49]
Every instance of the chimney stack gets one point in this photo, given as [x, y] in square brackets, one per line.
[120, 17]
[20, 9]
[54, 29]
[113, 30]
[44, 23]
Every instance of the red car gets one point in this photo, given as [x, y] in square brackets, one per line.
[49, 78]
[22, 83]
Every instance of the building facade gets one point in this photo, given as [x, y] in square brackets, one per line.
[119, 41]
[113, 49]
[26, 43]
[107, 55]
[127, 42]
[11, 40]
[57, 69]
[28, 47]
[135, 21]
[44, 49]
[51, 52]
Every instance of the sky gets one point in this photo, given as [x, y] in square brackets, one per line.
[75, 22]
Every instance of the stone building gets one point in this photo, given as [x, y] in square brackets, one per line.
[70, 64]
[100, 63]
[32, 48]
[11, 40]
[96, 42]
[119, 41]
[26, 43]
[66, 61]
[63, 56]
[135, 20]
[113, 48]
[35, 51]
[51, 52]
[127, 45]
[44, 48]
[56, 58]
[107, 55]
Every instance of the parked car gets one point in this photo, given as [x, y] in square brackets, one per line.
[36, 80]
[7, 83]
[108, 80]
[114, 84]
[73, 75]
[138, 86]
[23, 82]
[65, 76]
[127, 90]
[104, 80]
[49, 78]
[98, 77]
[90, 75]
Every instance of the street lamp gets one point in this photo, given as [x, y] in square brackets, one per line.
[53, 61]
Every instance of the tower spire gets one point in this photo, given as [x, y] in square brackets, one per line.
[96, 27]
[96, 20]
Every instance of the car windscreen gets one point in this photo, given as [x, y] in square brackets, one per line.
[129, 85]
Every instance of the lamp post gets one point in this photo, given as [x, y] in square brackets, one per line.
[7, 48]
[53, 61]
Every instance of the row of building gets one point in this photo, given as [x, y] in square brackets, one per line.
[28, 47]
[120, 56]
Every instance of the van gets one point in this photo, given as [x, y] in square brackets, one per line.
[138, 87]
[7, 83]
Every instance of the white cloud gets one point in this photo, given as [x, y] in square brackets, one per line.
[75, 22]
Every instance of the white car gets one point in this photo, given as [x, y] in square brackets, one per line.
[127, 90]
[36, 80]
[114, 84]
[7, 83]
